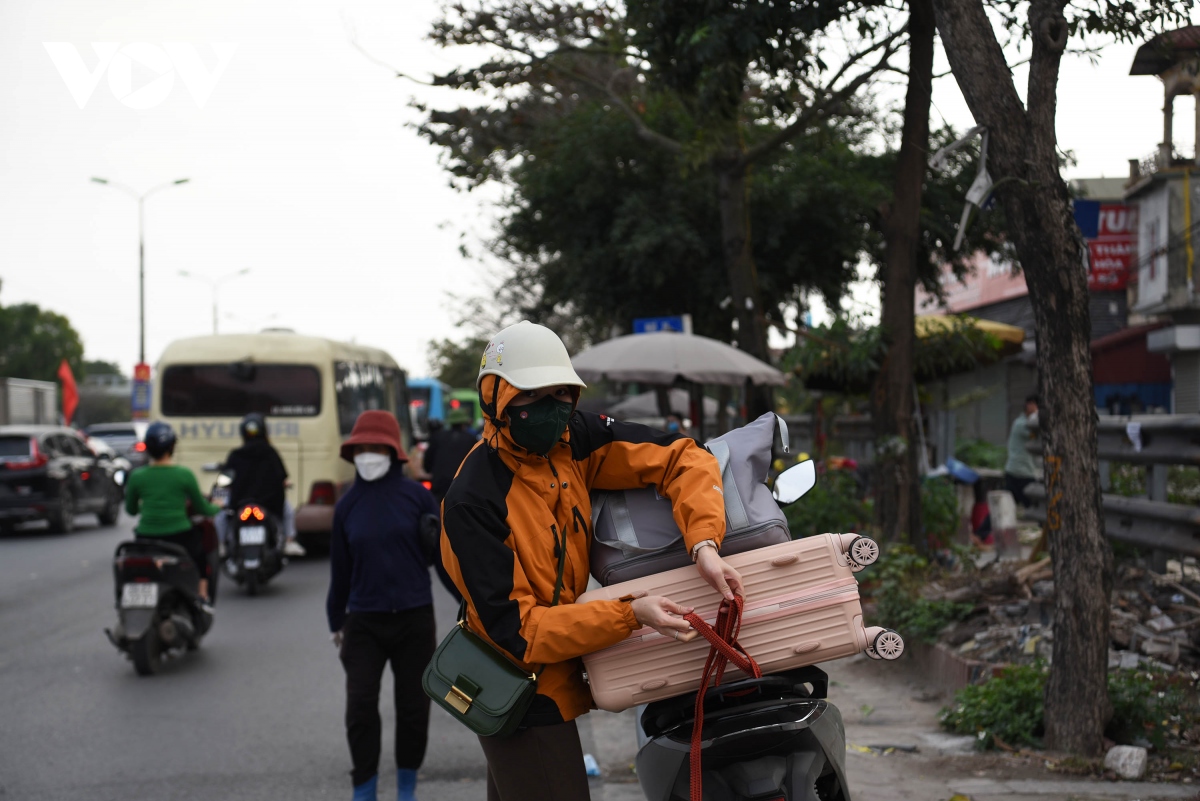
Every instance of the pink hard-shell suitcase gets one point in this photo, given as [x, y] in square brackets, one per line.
[801, 608]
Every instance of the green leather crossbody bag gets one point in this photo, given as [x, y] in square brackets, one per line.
[476, 683]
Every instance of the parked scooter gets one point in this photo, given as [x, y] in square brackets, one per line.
[254, 539]
[770, 738]
[158, 603]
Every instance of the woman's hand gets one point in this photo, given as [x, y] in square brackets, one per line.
[723, 578]
[664, 616]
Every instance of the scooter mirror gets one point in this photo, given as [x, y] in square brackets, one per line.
[791, 484]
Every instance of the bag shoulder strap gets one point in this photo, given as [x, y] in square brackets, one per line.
[735, 510]
[784, 440]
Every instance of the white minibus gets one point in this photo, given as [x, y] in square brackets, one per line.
[311, 391]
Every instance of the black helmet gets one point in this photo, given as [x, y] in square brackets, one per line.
[254, 426]
[160, 440]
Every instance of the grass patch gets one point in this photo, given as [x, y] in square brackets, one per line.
[1159, 707]
[895, 586]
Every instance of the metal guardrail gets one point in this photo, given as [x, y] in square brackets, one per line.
[1140, 521]
[1156, 442]
[1147, 439]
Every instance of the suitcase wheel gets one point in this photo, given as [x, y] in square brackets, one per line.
[887, 645]
[863, 551]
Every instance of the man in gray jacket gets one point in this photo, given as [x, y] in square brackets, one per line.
[1019, 470]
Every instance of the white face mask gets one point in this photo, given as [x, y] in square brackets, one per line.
[373, 466]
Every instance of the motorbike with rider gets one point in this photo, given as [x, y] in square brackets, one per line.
[163, 576]
[256, 505]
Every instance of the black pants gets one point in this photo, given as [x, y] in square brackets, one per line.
[371, 640]
[541, 763]
[191, 541]
[1016, 485]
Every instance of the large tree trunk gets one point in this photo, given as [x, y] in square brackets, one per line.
[1023, 154]
[740, 269]
[898, 506]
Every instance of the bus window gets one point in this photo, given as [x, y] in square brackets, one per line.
[234, 390]
[362, 387]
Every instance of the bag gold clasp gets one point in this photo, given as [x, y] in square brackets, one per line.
[459, 700]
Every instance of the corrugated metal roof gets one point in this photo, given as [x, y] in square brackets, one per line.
[1158, 54]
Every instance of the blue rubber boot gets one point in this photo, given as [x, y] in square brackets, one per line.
[406, 785]
[366, 790]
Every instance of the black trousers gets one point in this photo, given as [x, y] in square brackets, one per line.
[370, 641]
[191, 541]
[1016, 485]
[541, 763]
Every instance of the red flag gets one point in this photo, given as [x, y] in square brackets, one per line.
[70, 393]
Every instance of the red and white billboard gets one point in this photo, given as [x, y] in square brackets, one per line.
[1109, 229]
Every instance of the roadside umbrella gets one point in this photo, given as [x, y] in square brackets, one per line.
[665, 358]
[1010, 337]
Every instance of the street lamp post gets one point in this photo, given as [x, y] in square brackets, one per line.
[141, 200]
[214, 283]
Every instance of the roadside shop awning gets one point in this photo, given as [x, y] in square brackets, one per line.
[946, 345]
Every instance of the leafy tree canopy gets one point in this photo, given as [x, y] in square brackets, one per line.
[97, 367]
[34, 341]
[600, 226]
[456, 363]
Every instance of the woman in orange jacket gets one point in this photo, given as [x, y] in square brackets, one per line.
[516, 530]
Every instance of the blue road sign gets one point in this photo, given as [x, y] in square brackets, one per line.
[140, 402]
[678, 324]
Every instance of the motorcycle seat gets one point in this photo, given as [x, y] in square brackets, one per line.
[808, 682]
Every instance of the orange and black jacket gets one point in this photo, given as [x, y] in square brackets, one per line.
[513, 519]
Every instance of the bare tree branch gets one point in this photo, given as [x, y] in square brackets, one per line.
[352, 36]
[833, 99]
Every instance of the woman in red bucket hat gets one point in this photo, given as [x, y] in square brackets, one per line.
[380, 606]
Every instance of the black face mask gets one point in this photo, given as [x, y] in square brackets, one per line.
[539, 425]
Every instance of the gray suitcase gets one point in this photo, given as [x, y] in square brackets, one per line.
[634, 531]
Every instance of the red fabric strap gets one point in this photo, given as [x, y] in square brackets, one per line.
[725, 649]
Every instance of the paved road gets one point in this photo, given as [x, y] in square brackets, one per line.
[256, 713]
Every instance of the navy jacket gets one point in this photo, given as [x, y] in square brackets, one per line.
[375, 555]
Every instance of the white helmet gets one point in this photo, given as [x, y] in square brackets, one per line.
[528, 356]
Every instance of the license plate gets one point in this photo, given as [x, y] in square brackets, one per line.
[139, 596]
[252, 535]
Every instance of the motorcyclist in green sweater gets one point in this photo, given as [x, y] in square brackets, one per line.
[164, 496]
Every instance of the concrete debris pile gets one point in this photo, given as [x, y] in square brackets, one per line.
[1155, 618]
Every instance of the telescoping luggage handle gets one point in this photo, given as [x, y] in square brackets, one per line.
[735, 510]
[725, 649]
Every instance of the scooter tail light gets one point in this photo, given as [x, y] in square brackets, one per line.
[135, 561]
[252, 511]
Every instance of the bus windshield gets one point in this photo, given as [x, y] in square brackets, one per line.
[234, 390]
[361, 387]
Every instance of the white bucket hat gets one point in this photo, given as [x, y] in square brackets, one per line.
[528, 356]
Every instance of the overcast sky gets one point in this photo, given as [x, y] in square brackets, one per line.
[303, 167]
